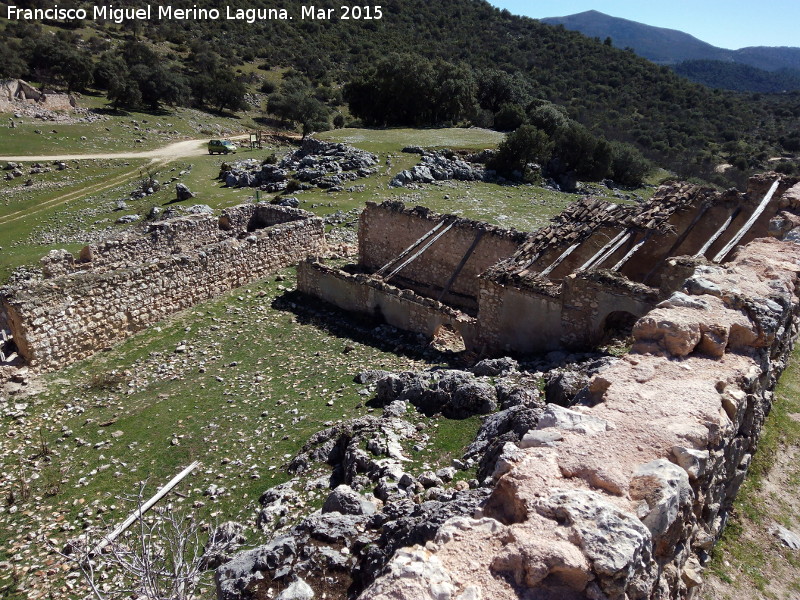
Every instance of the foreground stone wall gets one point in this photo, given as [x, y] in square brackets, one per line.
[70, 316]
[519, 319]
[387, 229]
[625, 499]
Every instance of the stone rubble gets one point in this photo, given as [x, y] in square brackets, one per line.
[316, 163]
[440, 166]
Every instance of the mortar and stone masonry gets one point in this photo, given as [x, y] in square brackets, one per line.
[111, 290]
[622, 497]
[598, 267]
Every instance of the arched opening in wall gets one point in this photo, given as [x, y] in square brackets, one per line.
[9, 353]
[257, 221]
[616, 332]
[447, 339]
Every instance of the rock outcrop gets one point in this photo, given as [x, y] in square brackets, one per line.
[316, 163]
[440, 166]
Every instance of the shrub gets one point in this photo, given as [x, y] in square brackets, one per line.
[509, 117]
[525, 145]
[628, 166]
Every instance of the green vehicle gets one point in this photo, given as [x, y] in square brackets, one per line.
[221, 147]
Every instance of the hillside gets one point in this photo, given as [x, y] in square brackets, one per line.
[661, 45]
[738, 77]
[769, 69]
[612, 92]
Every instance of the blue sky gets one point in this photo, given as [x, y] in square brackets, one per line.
[728, 24]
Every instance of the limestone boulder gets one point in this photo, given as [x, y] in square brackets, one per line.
[346, 501]
[664, 491]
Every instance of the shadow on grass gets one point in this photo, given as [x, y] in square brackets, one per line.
[367, 330]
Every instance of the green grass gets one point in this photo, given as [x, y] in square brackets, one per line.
[736, 559]
[26, 212]
[394, 140]
[229, 398]
[229, 401]
[524, 207]
[118, 132]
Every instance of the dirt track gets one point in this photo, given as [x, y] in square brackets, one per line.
[161, 155]
[169, 152]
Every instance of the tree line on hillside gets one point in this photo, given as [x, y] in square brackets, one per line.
[738, 77]
[133, 74]
[474, 63]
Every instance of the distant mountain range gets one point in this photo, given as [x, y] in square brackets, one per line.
[757, 68]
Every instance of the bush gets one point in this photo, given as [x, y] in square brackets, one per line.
[786, 167]
[577, 150]
[509, 117]
[525, 145]
[268, 86]
[628, 166]
[548, 117]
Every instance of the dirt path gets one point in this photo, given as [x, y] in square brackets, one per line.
[169, 152]
[74, 195]
[159, 156]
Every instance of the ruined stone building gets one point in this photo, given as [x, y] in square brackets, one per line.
[623, 494]
[596, 268]
[88, 302]
[16, 93]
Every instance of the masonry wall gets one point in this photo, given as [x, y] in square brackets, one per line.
[173, 236]
[387, 229]
[69, 317]
[363, 294]
[518, 320]
[589, 298]
[626, 499]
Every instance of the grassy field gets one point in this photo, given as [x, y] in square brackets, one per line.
[254, 382]
[117, 131]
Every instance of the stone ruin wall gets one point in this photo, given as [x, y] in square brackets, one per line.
[387, 229]
[174, 236]
[501, 328]
[73, 314]
[400, 308]
[694, 215]
[624, 500]
[15, 93]
[571, 315]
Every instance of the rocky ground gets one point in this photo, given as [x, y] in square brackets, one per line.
[325, 165]
[67, 436]
[381, 501]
